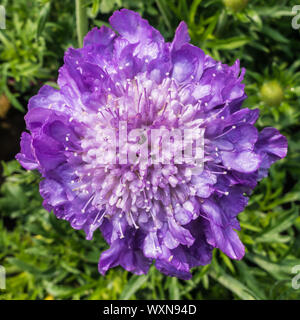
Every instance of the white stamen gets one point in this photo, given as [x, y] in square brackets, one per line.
[133, 222]
[120, 228]
[88, 202]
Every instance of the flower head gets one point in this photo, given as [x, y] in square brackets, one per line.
[147, 210]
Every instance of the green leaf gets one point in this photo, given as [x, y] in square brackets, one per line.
[229, 43]
[13, 99]
[274, 34]
[43, 18]
[271, 234]
[246, 274]
[162, 8]
[24, 266]
[133, 285]
[288, 197]
[174, 289]
[193, 10]
[67, 291]
[10, 167]
[279, 270]
[232, 284]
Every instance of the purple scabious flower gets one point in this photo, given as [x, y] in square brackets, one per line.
[162, 212]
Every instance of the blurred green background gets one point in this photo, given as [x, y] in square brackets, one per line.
[46, 259]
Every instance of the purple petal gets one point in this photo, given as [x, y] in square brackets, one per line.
[26, 156]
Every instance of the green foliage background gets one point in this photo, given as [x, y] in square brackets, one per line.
[46, 259]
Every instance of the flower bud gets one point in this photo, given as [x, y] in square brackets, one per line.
[236, 5]
[271, 93]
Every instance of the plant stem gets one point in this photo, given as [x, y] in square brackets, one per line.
[81, 21]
